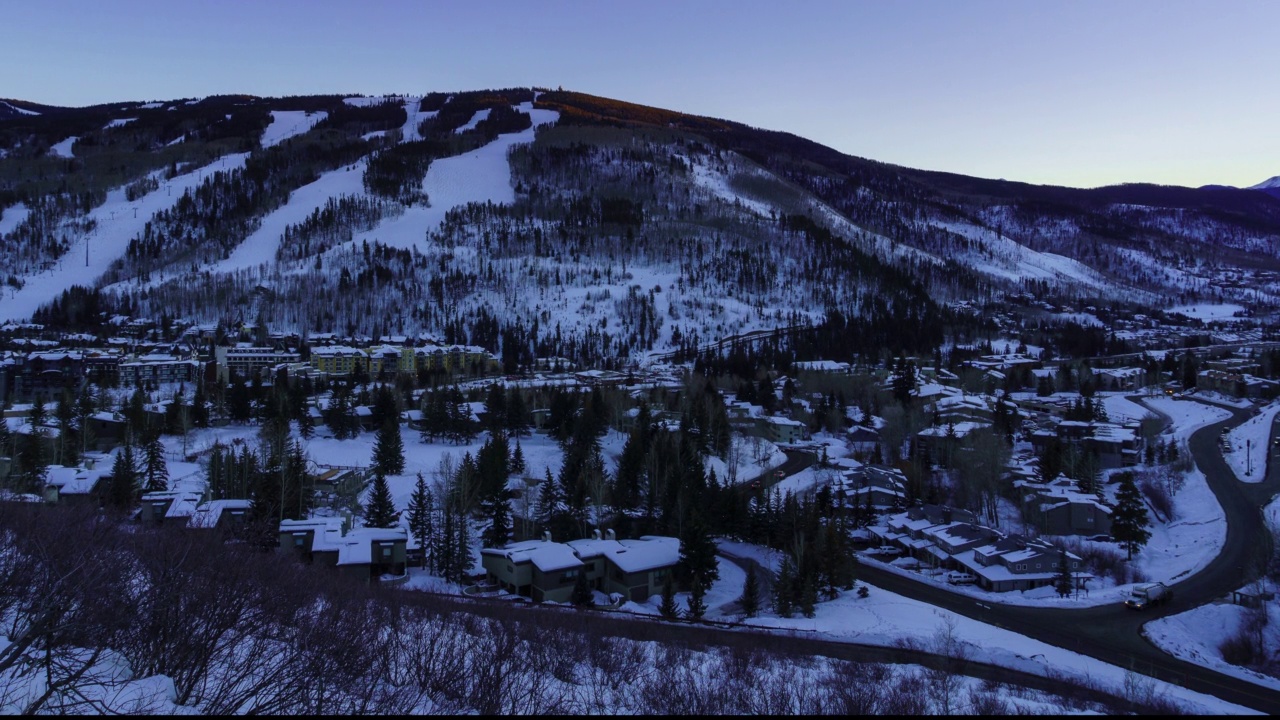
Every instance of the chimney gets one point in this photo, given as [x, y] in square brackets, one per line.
[595, 534]
[546, 536]
[610, 534]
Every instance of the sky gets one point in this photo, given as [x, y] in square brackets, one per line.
[1081, 94]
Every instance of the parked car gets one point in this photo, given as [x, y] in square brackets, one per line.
[1100, 538]
[956, 577]
[884, 550]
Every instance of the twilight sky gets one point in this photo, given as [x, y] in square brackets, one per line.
[1081, 93]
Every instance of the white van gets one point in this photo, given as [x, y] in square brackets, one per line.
[955, 577]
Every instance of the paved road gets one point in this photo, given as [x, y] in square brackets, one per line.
[1112, 633]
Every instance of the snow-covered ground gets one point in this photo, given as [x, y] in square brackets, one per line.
[118, 221]
[287, 123]
[414, 118]
[1175, 550]
[12, 217]
[1247, 445]
[1207, 311]
[260, 247]
[480, 116]
[482, 175]
[63, 149]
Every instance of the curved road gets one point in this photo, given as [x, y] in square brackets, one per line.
[1113, 633]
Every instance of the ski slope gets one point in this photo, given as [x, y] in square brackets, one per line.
[117, 224]
[12, 217]
[63, 149]
[260, 247]
[287, 123]
[482, 175]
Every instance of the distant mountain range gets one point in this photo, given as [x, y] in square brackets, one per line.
[554, 218]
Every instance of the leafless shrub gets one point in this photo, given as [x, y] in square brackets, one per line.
[857, 688]
[988, 701]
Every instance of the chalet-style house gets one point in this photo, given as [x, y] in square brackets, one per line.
[547, 571]
[952, 539]
[367, 554]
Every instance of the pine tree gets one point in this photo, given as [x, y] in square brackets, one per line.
[808, 600]
[517, 413]
[517, 460]
[782, 589]
[388, 449]
[668, 607]
[582, 596]
[31, 454]
[697, 606]
[122, 493]
[421, 516]
[750, 593]
[698, 555]
[498, 508]
[155, 471]
[1062, 583]
[495, 406]
[381, 510]
[463, 560]
[1129, 519]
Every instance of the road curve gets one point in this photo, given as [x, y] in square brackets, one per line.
[1113, 633]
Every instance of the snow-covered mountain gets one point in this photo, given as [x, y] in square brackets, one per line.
[562, 223]
[1267, 184]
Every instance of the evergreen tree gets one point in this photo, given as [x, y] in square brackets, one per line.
[200, 407]
[31, 453]
[517, 413]
[1062, 582]
[668, 607]
[155, 471]
[782, 589]
[6, 439]
[68, 448]
[462, 561]
[517, 466]
[388, 449]
[750, 593]
[122, 492]
[697, 606]
[380, 512]
[808, 599]
[698, 555]
[422, 516]
[549, 503]
[239, 400]
[1129, 519]
[495, 406]
[582, 596]
[498, 509]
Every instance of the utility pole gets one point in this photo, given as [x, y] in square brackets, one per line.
[1248, 454]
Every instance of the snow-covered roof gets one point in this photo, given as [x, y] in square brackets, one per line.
[208, 514]
[546, 556]
[647, 553]
[357, 546]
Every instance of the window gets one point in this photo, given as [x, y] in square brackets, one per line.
[569, 576]
[1037, 566]
[660, 575]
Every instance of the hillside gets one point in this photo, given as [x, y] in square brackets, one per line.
[545, 223]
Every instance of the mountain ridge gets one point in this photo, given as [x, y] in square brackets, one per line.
[684, 204]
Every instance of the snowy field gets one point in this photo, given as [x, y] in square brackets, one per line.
[1207, 312]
